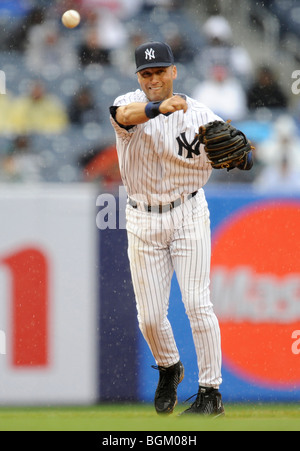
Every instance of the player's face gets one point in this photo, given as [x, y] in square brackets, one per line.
[157, 82]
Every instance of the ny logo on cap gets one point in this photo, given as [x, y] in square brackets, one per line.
[149, 54]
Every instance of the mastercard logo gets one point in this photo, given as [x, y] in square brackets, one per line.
[255, 281]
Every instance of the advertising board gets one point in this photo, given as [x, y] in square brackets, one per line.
[255, 289]
[48, 295]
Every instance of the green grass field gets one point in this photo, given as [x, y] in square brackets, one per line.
[140, 417]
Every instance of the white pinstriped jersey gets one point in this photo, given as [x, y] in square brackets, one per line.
[161, 160]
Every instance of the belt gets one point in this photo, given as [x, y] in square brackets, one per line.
[161, 208]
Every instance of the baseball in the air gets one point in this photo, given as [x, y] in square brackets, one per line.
[71, 18]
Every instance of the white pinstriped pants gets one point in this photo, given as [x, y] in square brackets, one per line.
[158, 244]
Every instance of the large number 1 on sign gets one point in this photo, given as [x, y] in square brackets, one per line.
[29, 278]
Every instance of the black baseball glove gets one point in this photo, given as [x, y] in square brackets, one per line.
[225, 146]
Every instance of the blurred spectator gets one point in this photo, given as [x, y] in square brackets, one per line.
[129, 9]
[124, 58]
[39, 112]
[48, 51]
[21, 164]
[90, 50]
[220, 50]
[18, 34]
[265, 91]
[123, 9]
[222, 93]
[6, 120]
[182, 51]
[296, 112]
[102, 165]
[83, 108]
[284, 144]
[279, 178]
[111, 32]
[17, 8]
[149, 5]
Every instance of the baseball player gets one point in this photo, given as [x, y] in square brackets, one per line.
[164, 168]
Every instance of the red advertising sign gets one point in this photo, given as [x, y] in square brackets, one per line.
[29, 319]
[256, 291]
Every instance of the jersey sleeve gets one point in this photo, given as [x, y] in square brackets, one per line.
[125, 99]
[113, 113]
[120, 101]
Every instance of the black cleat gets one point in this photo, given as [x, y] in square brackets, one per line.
[166, 393]
[208, 403]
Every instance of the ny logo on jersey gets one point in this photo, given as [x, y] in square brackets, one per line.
[193, 148]
[149, 54]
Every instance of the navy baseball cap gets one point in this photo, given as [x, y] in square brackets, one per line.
[153, 54]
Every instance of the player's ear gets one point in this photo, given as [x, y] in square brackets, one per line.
[174, 72]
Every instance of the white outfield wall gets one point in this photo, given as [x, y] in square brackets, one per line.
[48, 294]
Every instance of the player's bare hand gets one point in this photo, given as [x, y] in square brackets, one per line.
[175, 103]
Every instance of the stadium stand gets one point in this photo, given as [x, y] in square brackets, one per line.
[260, 29]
